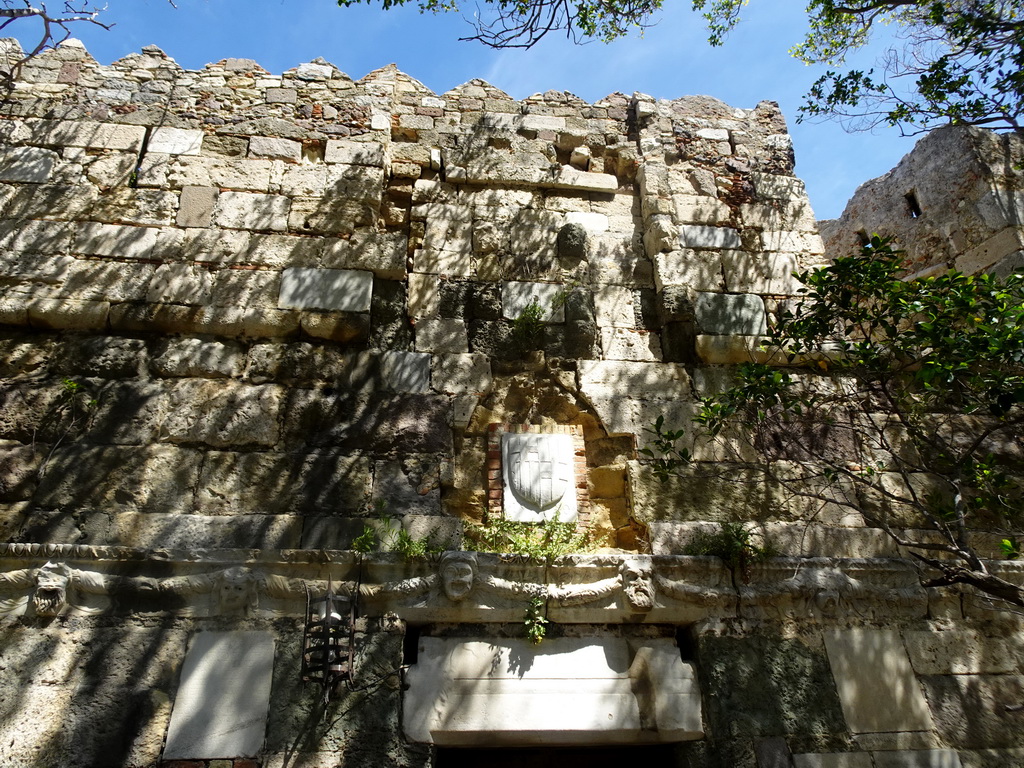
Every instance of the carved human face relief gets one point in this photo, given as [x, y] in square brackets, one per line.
[235, 591]
[457, 577]
[637, 586]
[51, 592]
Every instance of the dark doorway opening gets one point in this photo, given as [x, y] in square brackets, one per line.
[556, 757]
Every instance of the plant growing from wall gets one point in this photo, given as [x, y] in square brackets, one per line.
[528, 328]
[734, 543]
[390, 536]
[902, 401]
[536, 541]
[70, 413]
[534, 621]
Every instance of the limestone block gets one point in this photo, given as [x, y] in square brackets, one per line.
[571, 691]
[354, 153]
[116, 670]
[410, 489]
[342, 327]
[424, 295]
[382, 253]
[995, 248]
[274, 483]
[281, 95]
[266, 250]
[897, 742]
[304, 180]
[175, 141]
[453, 263]
[66, 133]
[406, 371]
[196, 358]
[196, 205]
[629, 344]
[876, 684]
[245, 288]
[571, 178]
[28, 164]
[795, 214]
[517, 296]
[52, 201]
[119, 240]
[970, 710]
[235, 173]
[699, 270]
[708, 238]
[448, 227]
[330, 289]
[613, 305]
[68, 315]
[728, 315]
[792, 242]
[769, 186]
[921, 758]
[461, 373]
[223, 414]
[593, 223]
[442, 334]
[223, 699]
[771, 273]
[125, 205]
[962, 652]
[275, 149]
[245, 210]
[833, 760]
[729, 350]
[314, 215]
[700, 209]
[656, 381]
[47, 237]
[180, 284]
[354, 183]
[153, 478]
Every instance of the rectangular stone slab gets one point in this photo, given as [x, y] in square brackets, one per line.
[877, 686]
[221, 707]
[564, 691]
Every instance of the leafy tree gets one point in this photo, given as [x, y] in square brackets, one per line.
[901, 401]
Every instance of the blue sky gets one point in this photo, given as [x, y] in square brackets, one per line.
[669, 60]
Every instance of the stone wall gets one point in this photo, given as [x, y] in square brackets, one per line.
[955, 202]
[245, 308]
[245, 316]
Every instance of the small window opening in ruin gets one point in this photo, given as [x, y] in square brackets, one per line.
[555, 757]
[913, 205]
[687, 642]
[862, 237]
[411, 644]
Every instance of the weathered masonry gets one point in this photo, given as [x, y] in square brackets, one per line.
[246, 316]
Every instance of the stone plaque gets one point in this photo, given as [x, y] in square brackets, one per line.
[221, 707]
[539, 477]
[567, 691]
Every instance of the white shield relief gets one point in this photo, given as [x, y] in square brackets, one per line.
[539, 477]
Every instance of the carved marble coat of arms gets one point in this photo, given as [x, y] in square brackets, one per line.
[539, 477]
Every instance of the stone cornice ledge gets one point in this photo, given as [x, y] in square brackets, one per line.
[466, 587]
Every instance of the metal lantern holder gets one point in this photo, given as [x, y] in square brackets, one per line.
[327, 641]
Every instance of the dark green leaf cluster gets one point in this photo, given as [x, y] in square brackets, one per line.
[732, 542]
